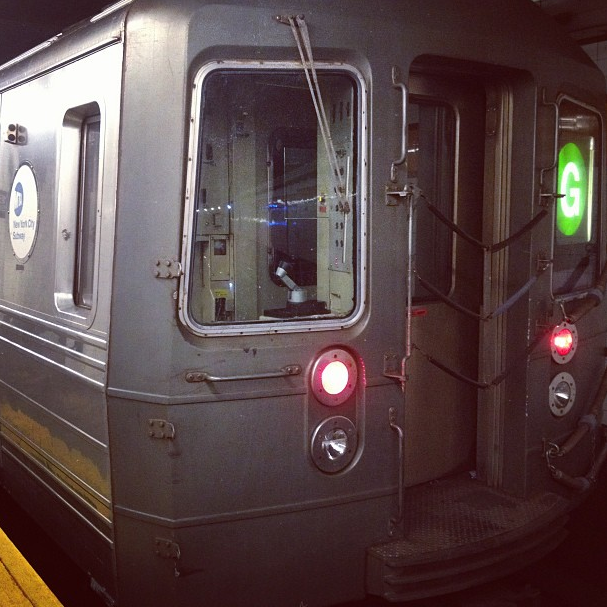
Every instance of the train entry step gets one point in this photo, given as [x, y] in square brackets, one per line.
[455, 533]
[20, 585]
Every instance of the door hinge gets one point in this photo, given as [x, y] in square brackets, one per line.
[167, 549]
[547, 198]
[167, 268]
[397, 194]
[394, 368]
[160, 428]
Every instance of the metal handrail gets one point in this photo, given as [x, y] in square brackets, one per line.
[203, 376]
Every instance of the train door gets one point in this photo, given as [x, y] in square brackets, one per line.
[457, 157]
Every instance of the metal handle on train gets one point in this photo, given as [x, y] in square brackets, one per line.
[555, 159]
[201, 376]
[403, 149]
[396, 521]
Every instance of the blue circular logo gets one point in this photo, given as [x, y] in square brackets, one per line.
[19, 202]
[23, 218]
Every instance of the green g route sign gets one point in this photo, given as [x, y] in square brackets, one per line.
[573, 188]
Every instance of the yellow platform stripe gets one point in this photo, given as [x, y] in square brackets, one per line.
[20, 585]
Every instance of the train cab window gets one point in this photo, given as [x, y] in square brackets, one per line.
[575, 256]
[431, 167]
[273, 227]
[78, 193]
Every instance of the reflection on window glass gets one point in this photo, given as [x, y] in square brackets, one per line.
[273, 241]
[292, 214]
[87, 212]
[430, 167]
[577, 175]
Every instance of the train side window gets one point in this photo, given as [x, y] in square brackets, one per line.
[78, 201]
[269, 239]
[87, 212]
[576, 255]
[431, 127]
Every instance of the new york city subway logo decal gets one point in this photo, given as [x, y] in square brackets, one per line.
[23, 212]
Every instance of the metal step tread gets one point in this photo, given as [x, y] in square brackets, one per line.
[460, 516]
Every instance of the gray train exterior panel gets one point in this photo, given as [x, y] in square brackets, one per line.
[152, 410]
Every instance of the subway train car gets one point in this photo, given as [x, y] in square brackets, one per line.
[302, 301]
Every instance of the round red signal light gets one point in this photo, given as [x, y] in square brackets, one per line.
[334, 377]
[563, 342]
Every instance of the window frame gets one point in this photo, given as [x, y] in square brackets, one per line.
[194, 167]
[596, 233]
[70, 200]
[87, 216]
[424, 297]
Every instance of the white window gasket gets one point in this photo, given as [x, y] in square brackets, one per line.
[193, 168]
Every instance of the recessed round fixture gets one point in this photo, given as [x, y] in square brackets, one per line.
[563, 342]
[334, 377]
[334, 444]
[561, 394]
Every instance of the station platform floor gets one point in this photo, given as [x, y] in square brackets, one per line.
[20, 585]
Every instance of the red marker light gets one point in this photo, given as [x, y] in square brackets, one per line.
[563, 342]
[334, 377]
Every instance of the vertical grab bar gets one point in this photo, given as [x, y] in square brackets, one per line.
[408, 194]
[397, 520]
[545, 170]
[403, 139]
[410, 253]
